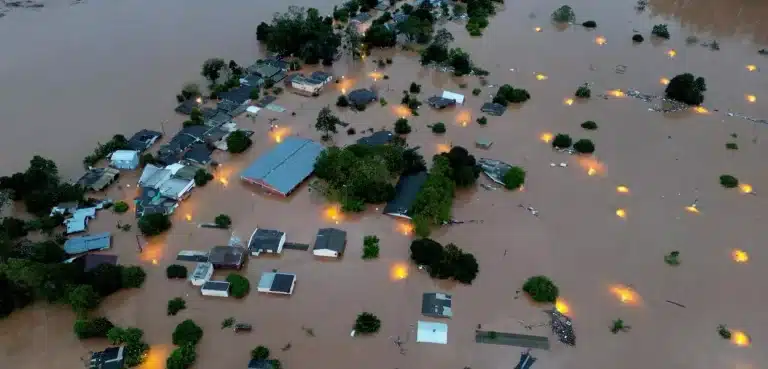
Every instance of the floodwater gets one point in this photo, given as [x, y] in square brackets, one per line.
[75, 75]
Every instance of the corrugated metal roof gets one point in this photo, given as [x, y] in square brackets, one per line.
[83, 244]
[286, 165]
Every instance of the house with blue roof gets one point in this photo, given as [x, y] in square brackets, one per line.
[285, 166]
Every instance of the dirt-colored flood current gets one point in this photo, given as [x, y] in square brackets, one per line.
[73, 75]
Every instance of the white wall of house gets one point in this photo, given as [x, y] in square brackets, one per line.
[124, 159]
[216, 293]
[326, 253]
[307, 87]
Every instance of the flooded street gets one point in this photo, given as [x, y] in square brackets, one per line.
[72, 76]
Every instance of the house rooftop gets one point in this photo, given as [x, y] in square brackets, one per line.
[332, 239]
[362, 18]
[79, 245]
[143, 139]
[266, 71]
[285, 166]
[361, 96]
[265, 240]
[91, 261]
[151, 201]
[110, 358]
[227, 256]
[237, 95]
[431, 332]
[216, 286]
[97, 179]
[405, 194]
[277, 282]
[439, 102]
[494, 169]
[320, 75]
[436, 305]
[186, 107]
[198, 153]
[260, 364]
[493, 109]
[218, 119]
[377, 138]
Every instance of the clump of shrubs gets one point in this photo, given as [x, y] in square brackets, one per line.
[729, 181]
[120, 207]
[202, 177]
[476, 92]
[638, 38]
[583, 92]
[342, 101]
[444, 262]
[414, 88]
[438, 128]
[402, 127]
[562, 141]
[367, 323]
[589, 125]
[514, 178]
[370, 247]
[239, 286]
[508, 94]
[731, 146]
[589, 24]
[351, 131]
[564, 14]
[686, 88]
[541, 289]
[661, 31]
[175, 305]
[584, 146]
[91, 328]
[223, 221]
[482, 121]
[176, 271]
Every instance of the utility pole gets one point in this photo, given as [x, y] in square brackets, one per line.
[162, 125]
[138, 243]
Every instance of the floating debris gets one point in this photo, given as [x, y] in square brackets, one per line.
[676, 303]
[562, 327]
[621, 69]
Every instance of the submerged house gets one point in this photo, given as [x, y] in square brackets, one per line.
[377, 138]
[97, 179]
[436, 305]
[202, 274]
[79, 245]
[227, 257]
[321, 76]
[150, 201]
[362, 21]
[494, 169]
[405, 194]
[306, 85]
[186, 106]
[431, 332]
[143, 140]
[361, 97]
[330, 242]
[278, 283]
[268, 241]
[78, 222]
[166, 182]
[110, 358]
[215, 288]
[494, 109]
[445, 100]
[285, 166]
[124, 159]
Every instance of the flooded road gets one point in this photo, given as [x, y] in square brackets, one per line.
[110, 67]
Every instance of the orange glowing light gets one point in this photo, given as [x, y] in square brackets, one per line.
[671, 53]
[692, 209]
[622, 189]
[333, 213]
[751, 67]
[546, 137]
[568, 102]
[625, 294]
[541, 77]
[600, 40]
[617, 93]
[463, 117]
[664, 81]
[537, 29]
[745, 188]
[740, 338]
[751, 98]
[591, 171]
[156, 357]
[401, 111]
[591, 165]
[188, 217]
[224, 181]
[621, 213]
[405, 228]
[739, 256]
[701, 110]
[154, 261]
[441, 148]
[562, 307]
[376, 75]
[399, 271]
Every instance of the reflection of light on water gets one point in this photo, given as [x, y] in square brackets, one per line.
[278, 134]
[405, 228]
[751, 98]
[600, 40]
[622, 189]
[625, 294]
[332, 213]
[441, 148]
[224, 181]
[591, 171]
[154, 261]
[751, 67]
[541, 77]
[671, 53]
[617, 93]
[156, 357]
[343, 90]
[740, 338]
[537, 29]
[562, 307]
[188, 217]
[398, 271]
[692, 209]
[739, 256]
[568, 102]
[701, 110]
[376, 75]
[621, 213]
[401, 111]
[745, 188]
[546, 137]
[664, 81]
[463, 117]
[591, 165]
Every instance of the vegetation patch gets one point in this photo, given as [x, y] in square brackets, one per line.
[514, 178]
[732, 146]
[175, 305]
[154, 224]
[327, 123]
[120, 207]
[370, 247]
[661, 31]
[239, 286]
[342, 101]
[402, 127]
[541, 289]
[673, 258]
[135, 349]
[584, 146]
[302, 33]
[40, 187]
[238, 142]
[637, 38]
[260, 353]
[438, 128]
[508, 94]
[589, 125]
[564, 14]
[118, 142]
[562, 141]
[686, 88]
[729, 181]
[92, 328]
[444, 262]
[724, 332]
[176, 271]
[223, 221]
[618, 325]
[434, 201]
[187, 332]
[367, 323]
[482, 121]
[182, 357]
[583, 92]
[202, 177]
[589, 24]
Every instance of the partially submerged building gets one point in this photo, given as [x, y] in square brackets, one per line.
[260, 364]
[202, 274]
[150, 201]
[361, 97]
[79, 245]
[330, 242]
[91, 261]
[124, 159]
[377, 138]
[431, 332]
[276, 282]
[494, 169]
[494, 109]
[362, 21]
[227, 257]
[307, 86]
[321, 76]
[405, 194]
[143, 140]
[215, 288]
[166, 182]
[97, 179]
[268, 241]
[436, 305]
[285, 166]
[186, 106]
[78, 222]
[110, 358]
[445, 100]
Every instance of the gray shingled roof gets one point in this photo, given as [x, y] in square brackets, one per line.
[331, 239]
[285, 166]
[405, 194]
[264, 240]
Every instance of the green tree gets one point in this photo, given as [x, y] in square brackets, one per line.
[459, 9]
[239, 286]
[482, 121]
[562, 141]
[464, 167]
[120, 207]
[90, 328]
[254, 94]
[83, 298]
[223, 221]
[14, 228]
[514, 178]
[509, 94]
[238, 142]
[380, 36]
[370, 247]
[326, 122]
[589, 24]
[438, 128]
[564, 14]
[425, 251]
[434, 53]
[402, 127]
[686, 88]
[187, 332]
[416, 29]
[661, 31]
[342, 101]
[202, 177]
[182, 357]
[262, 31]
[583, 92]
[176, 271]
[541, 289]
[414, 88]
[367, 323]
[260, 353]
[133, 276]
[459, 60]
[303, 33]
[729, 181]
[584, 146]
[212, 69]
[175, 305]
[106, 279]
[154, 224]
[589, 125]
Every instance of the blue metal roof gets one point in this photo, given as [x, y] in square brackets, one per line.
[285, 166]
[83, 244]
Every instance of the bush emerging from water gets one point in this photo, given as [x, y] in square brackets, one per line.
[731, 146]
[367, 323]
[686, 88]
[370, 247]
[673, 258]
[402, 127]
[729, 181]
[260, 353]
[638, 38]
[562, 141]
[589, 125]
[584, 146]
[564, 14]
[154, 224]
[238, 142]
[482, 121]
[476, 92]
[438, 128]
[509, 94]
[589, 24]
[583, 92]
[660, 30]
[175, 305]
[541, 289]
[120, 207]
[176, 271]
[514, 178]
[90, 328]
[187, 332]
[239, 286]
[342, 101]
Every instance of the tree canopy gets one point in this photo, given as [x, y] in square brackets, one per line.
[367, 323]
[238, 142]
[187, 332]
[154, 224]
[239, 286]
[434, 201]
[509, 94]
[301, 33]
[541, 289]
[380, 36]
[686, 88]
[444, 262]
[464, 168]
[40, 187]
[326, 122]
[514, 178]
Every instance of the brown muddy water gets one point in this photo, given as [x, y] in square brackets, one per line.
[75, 75]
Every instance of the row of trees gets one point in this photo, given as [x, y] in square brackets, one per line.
[438, 52]
[478, 12]
[420, 23]
[301, 33]
[434, 201]
[360, 174]
[40, 187]
[444, 262]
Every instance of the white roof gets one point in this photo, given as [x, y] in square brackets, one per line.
[175, 187]
[432, 332]
[253, 109]
[454, 96]
[153, 176]
[124, 155]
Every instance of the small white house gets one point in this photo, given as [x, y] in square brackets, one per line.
[307, 85]
[215, 288]
[268, 241]
[252, 111]
[124, 159]
[459, 98]
[202, 274]
[330, 242]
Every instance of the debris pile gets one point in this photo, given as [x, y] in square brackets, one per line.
[562, 327]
